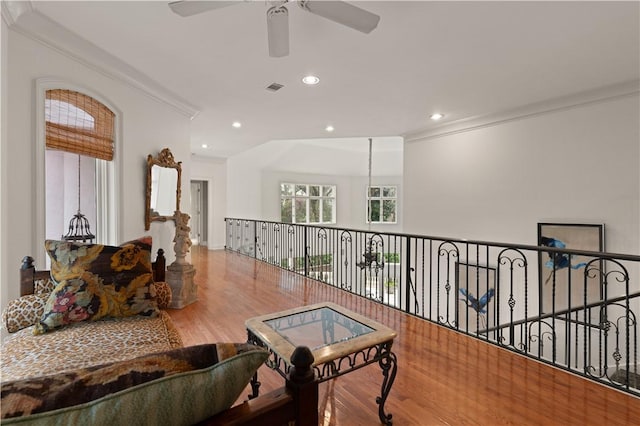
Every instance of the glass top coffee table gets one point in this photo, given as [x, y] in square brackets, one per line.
[340, 340]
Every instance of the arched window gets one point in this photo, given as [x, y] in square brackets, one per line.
[79, 139]
[79, 124]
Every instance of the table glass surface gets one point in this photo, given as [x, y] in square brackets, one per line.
[317, 328]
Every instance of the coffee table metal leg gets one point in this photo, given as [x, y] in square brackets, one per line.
[255, 386]
[389, 366]
[255, 383]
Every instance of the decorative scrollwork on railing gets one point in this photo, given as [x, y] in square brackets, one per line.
[346, 252]
[246, 241]
[261, 241]
[321, 260]
[623, 328]
[514, 280]
[372, 265]
[412, 289]
[448, 254]
[591, 307]
[275, 256]
[609, 273]
[290, 263]
[322, 234]
[238, 235]
[632, 353]
[611, 276]
[539, 337]
[229, 235]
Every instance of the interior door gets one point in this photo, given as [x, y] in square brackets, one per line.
[199, 212]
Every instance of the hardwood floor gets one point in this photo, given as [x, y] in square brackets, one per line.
[444, 378]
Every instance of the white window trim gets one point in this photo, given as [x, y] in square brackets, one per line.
[381, 198]
[108, 174]
[307, 204]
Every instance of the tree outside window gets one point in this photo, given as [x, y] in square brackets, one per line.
[382, 206]
[307, 203]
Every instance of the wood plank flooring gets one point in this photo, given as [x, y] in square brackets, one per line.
[444, 378]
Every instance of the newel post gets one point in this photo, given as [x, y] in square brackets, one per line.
[303, 386]
[27, 275]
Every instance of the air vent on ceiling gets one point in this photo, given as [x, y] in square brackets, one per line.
[274, 87]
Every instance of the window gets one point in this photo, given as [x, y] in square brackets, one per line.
[307, 203]
[79, 124]
[382, 206]
[79, 138]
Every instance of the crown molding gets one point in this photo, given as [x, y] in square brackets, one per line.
[602, 94]
[12, 10]
[24, 18]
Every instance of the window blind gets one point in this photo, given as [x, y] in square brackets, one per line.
[79, 124]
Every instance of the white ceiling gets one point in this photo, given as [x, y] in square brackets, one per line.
[464, 59]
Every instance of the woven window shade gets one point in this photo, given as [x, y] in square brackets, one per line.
[79, 124]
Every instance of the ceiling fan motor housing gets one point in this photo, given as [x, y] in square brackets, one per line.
[278, 31]
[278, 17]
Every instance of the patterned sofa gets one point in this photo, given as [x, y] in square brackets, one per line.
[50, 334]
[82, 344]
[91, 343]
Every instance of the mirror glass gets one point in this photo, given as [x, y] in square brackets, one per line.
[164, 183]
[163, 187]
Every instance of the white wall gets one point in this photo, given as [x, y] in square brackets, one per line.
[4, 267]
[350, 197]
[147, 126]
[342, 157]
[270, 193]
[214, 171]
[254, 177]
[358, 203]
[244, 172]
[496, 182]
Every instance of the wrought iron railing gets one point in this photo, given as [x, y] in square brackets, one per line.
[573, 309]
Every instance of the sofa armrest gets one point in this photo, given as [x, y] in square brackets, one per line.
[28, 276]
[23, 312]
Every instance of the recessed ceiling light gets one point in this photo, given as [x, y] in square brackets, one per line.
[237, 124]
[329, 128]
[436, 116]
[204, 145]
[310, 80]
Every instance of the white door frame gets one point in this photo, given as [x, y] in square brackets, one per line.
[209, 215]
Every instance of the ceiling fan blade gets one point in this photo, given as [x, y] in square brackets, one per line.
[193, 7]
[278, 31]
[342, 13]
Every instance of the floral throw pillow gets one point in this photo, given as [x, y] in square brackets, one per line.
[95, 281]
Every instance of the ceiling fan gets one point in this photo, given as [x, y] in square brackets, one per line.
[278, 17]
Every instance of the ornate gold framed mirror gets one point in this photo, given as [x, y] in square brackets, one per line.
[164, 180]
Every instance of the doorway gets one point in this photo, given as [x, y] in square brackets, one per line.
[199, 212]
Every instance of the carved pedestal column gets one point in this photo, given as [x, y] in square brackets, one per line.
[183, 287]
[180, 273]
